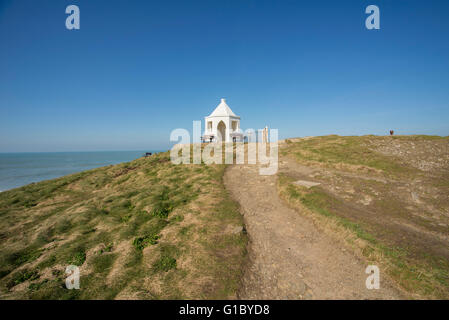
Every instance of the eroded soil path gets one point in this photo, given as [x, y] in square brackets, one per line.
[289, 258]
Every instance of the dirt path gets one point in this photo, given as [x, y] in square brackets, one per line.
[288, 257]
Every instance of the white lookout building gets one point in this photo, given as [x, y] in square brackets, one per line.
[222, 125]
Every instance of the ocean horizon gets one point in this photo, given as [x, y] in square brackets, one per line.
[18, 169]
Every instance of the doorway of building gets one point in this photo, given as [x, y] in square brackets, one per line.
[221, 128]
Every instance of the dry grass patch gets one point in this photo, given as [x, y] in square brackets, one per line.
[395, 215]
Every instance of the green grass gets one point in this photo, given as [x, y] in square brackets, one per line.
[320, 202]
[22, 276]
[102, 219]
[78, 258]
[333, 150]
[164, 263]
[103, 263]
[162, 210]
[25, 255]
[35, 286]
[141, 242]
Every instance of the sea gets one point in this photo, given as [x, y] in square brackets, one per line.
[19, 169]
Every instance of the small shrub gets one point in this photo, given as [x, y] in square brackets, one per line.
[163, 206]
[162, 210]
[165, 263]
[78, 258]
[37, 286]
[141, 242]
[125, 218]
[22, 276]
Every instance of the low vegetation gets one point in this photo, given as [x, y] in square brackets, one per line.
[387, 197]
[147, 229]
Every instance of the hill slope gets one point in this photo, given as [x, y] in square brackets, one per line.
[290, 257]
[149, 229]
[146, 229]
[387, 197]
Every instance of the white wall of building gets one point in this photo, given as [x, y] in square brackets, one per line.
[222, 114]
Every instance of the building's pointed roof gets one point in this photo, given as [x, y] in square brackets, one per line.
[222, 110]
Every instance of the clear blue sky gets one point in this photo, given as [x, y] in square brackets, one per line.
[138, 69]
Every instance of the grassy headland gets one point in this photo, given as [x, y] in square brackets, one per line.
[147, 229]
[387, 197]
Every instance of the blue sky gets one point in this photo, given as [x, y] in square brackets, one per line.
[136, 70]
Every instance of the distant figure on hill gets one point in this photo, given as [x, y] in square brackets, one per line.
[391, 132]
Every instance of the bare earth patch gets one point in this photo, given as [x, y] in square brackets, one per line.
[392, 193]
[289, 257]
